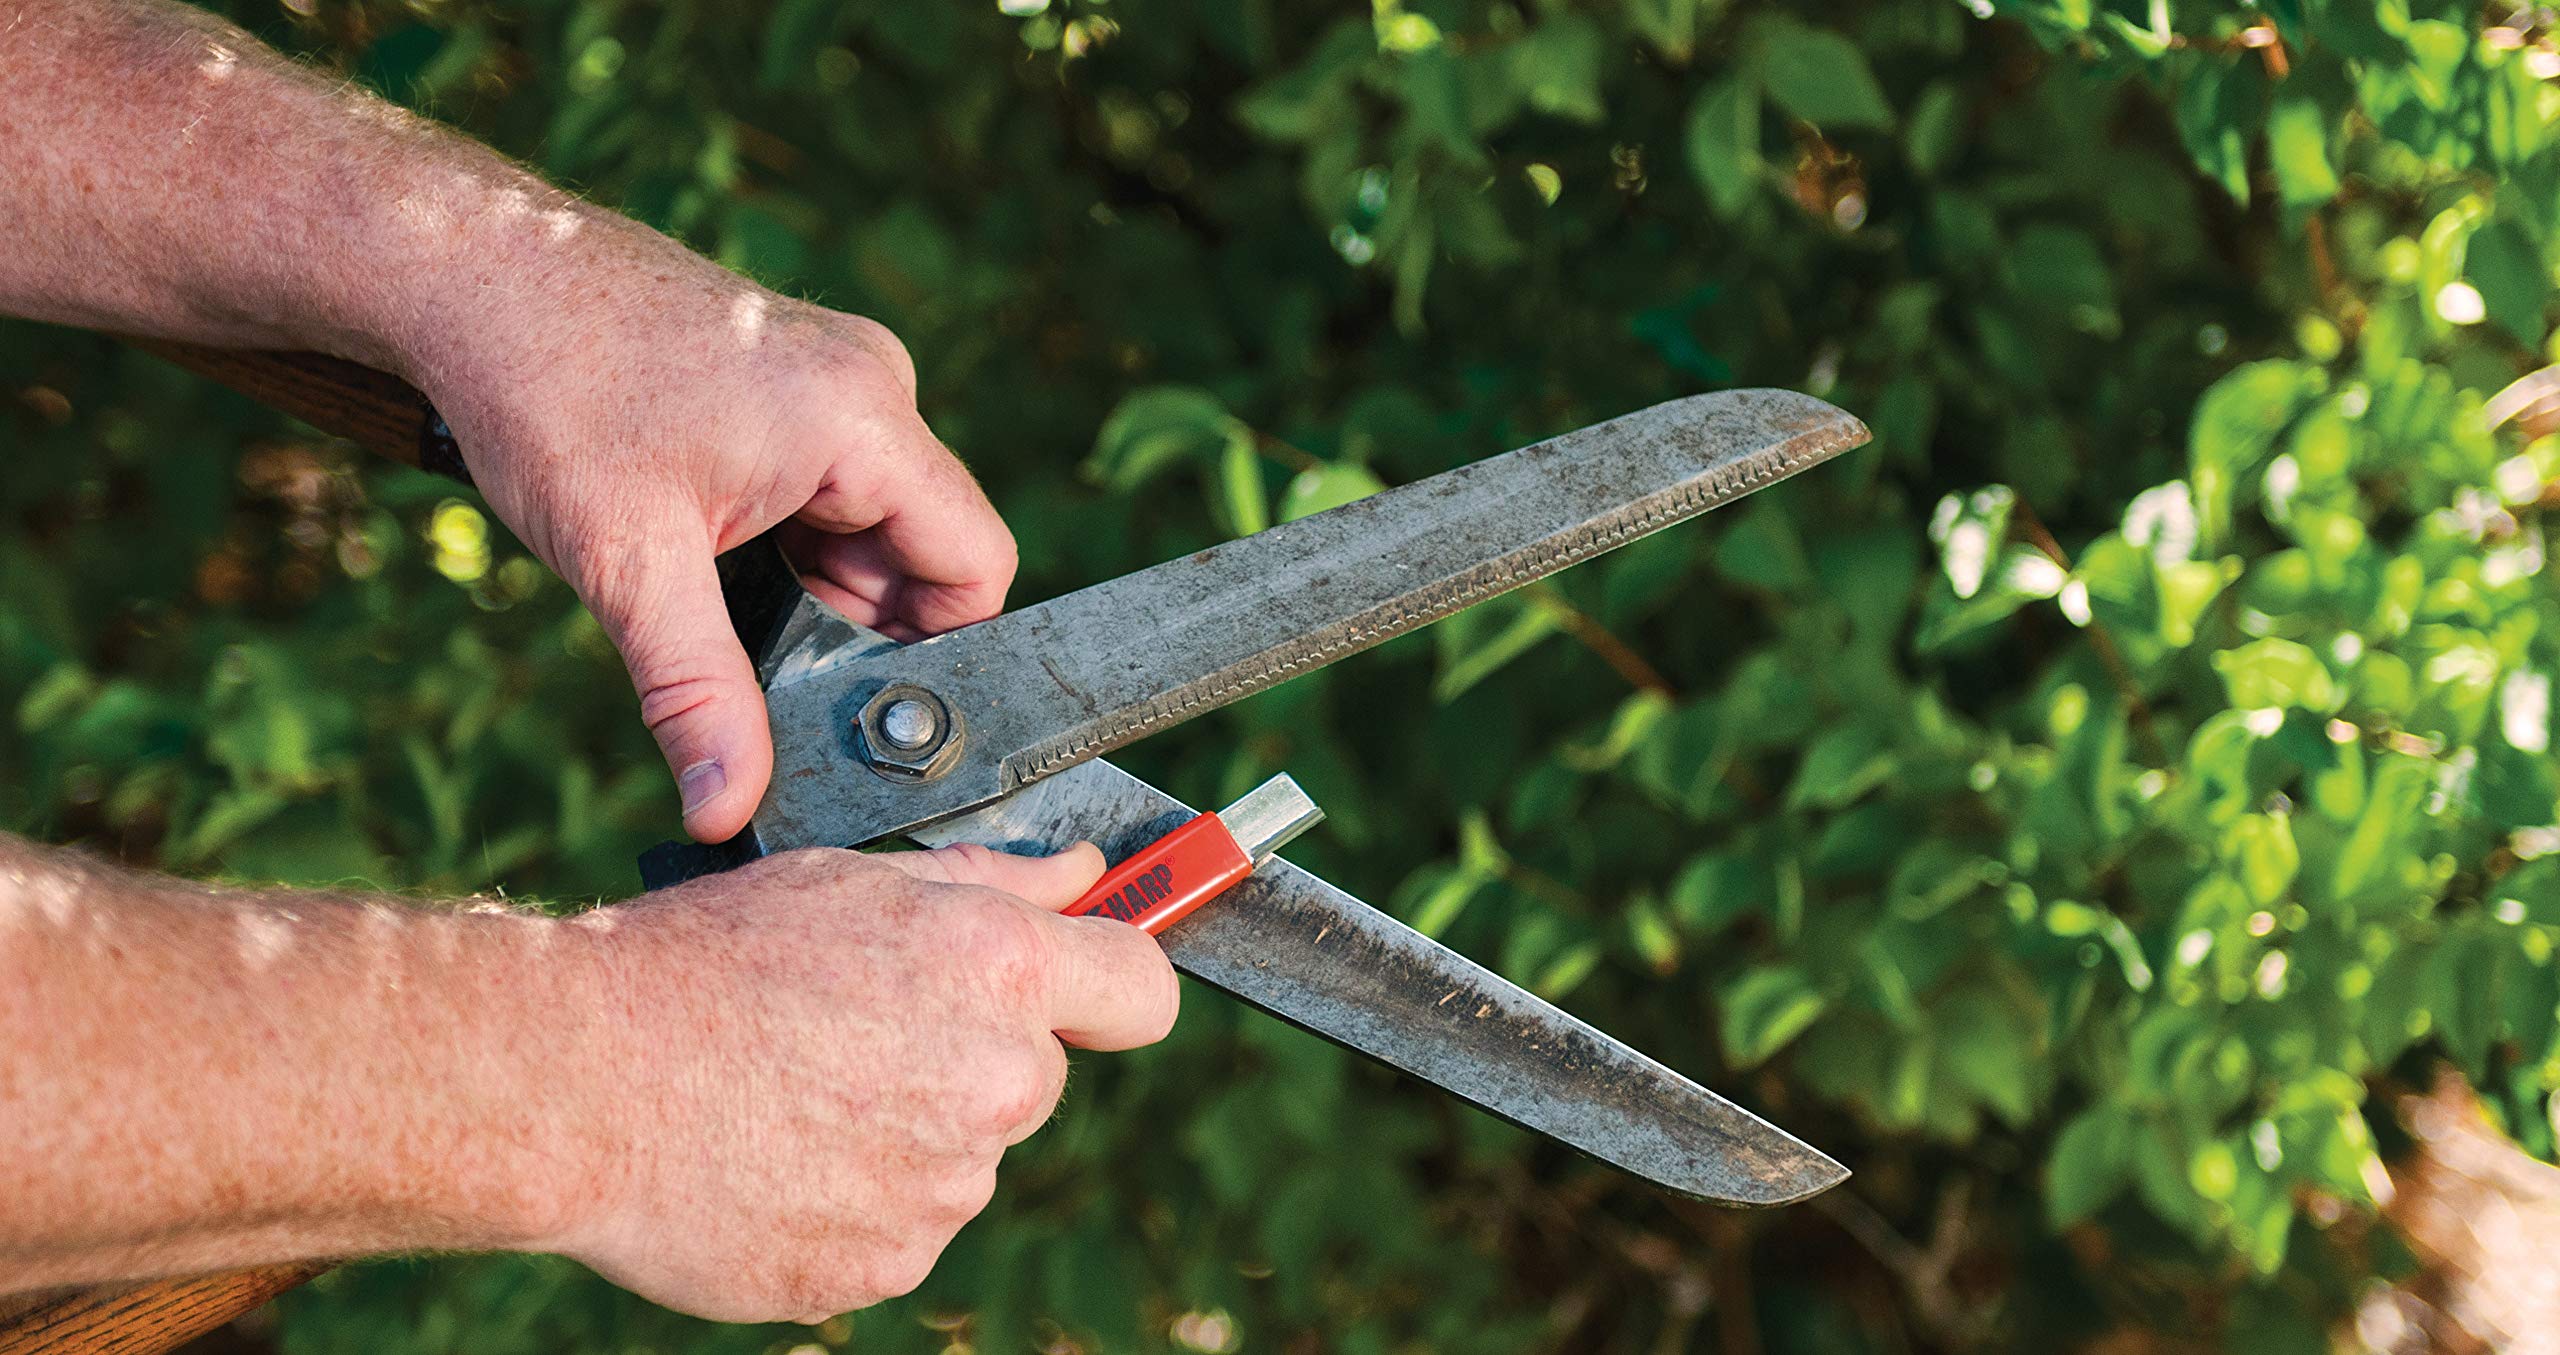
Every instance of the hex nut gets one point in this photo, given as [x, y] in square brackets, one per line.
[908, 760]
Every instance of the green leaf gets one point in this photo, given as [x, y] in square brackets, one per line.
[2262, 846]
[2220, 107]
[1300, 103]
[1558, 68]
[1330, 485]
[1724, 145]
[2060, 270]
[1931, 137]
[1763, 1010]
[2090, 1164]
[2514, 283]
[1841, 766]
[2375, 844]
[1763, 549]
[1718, 888]
[2276, 673]
[2066, 918]
[2298, 151]
[1670, 25]
[2235, 427]
[2021, 576]
[1815, 74]
[1565, 972]
[1156, 429]
[1244, 501]
[1988, 1047]
[56, 697]
[1443, 894]
[1968, 530]
[1654, 938]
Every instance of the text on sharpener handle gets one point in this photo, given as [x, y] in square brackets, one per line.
[1163, 882]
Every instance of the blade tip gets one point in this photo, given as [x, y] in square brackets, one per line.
[1817, 1176]
[1825, 428]
[1812, 1173]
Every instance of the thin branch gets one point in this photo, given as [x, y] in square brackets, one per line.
[1737, 1323]
[1294, 458]
[1618, 654]
[1530, 880]
[1924, 1272]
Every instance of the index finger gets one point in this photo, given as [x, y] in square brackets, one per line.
[906, 535]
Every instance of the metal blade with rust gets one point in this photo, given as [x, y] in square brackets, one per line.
[1305, 951]
[1299, 948]
[1198, 632]
[1309, 953]
[1038, 690]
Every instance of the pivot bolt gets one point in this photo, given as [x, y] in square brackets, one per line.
[909, 723]
[907, 733]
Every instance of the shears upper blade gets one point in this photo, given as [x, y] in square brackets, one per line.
[1036, 691]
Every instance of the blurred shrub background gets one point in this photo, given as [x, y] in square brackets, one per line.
[2087, 811]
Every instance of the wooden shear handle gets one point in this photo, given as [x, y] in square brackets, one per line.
[140, 1319]
[382, 414]
[374, 410]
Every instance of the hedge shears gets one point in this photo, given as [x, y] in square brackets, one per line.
[994, 734]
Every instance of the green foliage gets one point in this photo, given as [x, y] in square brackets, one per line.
[2079, 810]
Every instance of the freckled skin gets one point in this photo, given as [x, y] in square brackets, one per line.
[770, 1095]
[629, 407]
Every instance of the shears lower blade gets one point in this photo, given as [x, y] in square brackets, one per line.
[1305, 951]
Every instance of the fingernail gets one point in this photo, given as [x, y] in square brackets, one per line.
[701, 783]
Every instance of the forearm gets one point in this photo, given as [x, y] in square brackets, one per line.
[164, 173]
[194, 1079]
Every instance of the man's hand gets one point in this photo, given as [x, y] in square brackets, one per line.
[665, 410]
[630, 408]
[853, 1043]
[770, 1094]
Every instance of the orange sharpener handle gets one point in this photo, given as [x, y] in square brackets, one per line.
[1162, 883]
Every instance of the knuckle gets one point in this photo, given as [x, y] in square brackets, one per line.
[1004, 556]
[1006, 944]
[1159, 1003]
[1016, 1088]
[969, 859]
[800, 867]
[967, 1194]
[989, 1094]
[862, 352]
[1052, 1075]
[902, 1270]
[876, 338]
[1168, 1005]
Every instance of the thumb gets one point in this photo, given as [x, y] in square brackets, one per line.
[698, 692]
[1111, 986]
[1046, 882]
